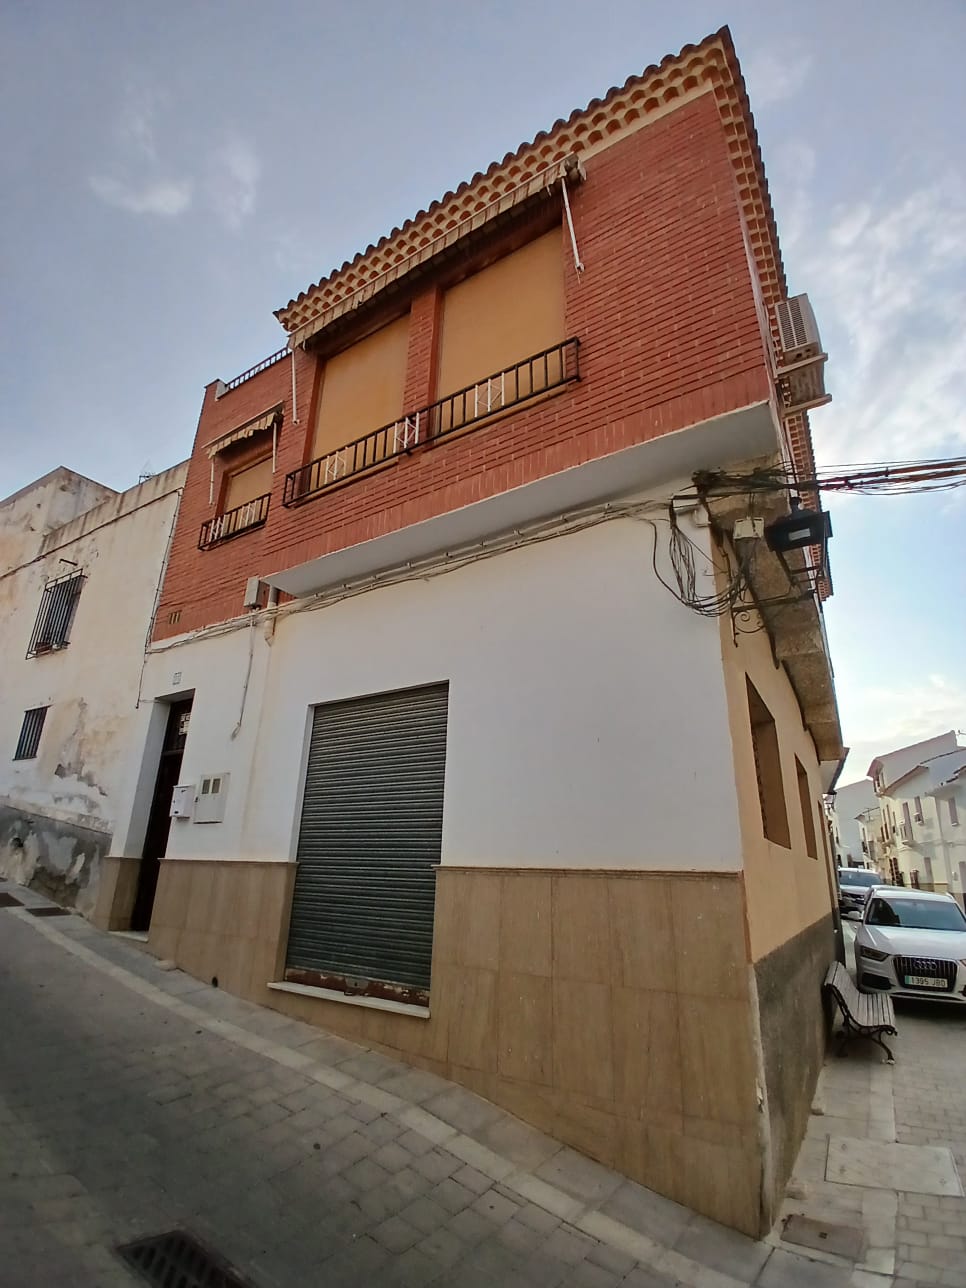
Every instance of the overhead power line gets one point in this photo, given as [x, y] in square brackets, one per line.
[891, 477]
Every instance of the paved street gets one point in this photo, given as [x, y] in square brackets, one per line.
[135, 1100]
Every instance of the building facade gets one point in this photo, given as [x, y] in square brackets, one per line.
[849, 804]
[919, 789]
[78, 585]
[468, 730]
[871, 839]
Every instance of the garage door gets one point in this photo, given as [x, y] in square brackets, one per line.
[370, 836]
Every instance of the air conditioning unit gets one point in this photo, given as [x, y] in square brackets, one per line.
[917, 817]
[800, 360]
[797, 330]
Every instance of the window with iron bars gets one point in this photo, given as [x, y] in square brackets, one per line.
[56, 615]
[30, 731]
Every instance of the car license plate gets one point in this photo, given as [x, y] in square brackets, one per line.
[924, 981]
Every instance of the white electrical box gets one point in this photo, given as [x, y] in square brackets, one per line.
[210, 801]
[749, 528]
[182, 800]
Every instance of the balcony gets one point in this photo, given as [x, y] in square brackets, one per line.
[534, 376]
[243, 518]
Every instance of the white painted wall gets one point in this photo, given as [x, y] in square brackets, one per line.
[587, 719]
[90, 687]
[933, 836]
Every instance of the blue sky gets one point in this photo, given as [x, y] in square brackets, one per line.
[175, 172]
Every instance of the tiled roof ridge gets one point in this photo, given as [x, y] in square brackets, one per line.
[722, 36]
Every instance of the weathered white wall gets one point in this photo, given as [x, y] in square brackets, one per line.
[587, 718]
[29, 515]
[57, 810]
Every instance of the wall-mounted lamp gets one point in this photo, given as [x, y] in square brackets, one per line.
[799, 530]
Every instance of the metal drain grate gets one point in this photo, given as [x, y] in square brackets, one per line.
[49, 912]
[8, 901]
[177, 1260]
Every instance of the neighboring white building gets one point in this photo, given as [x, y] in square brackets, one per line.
[79, 577]
[849, 803]
[948, 799]
[870, 839]
[920, 789]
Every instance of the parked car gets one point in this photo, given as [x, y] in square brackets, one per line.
[912, 944]
[855, 885]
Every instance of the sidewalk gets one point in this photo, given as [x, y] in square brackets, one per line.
[136, 1100]
[885, 1152]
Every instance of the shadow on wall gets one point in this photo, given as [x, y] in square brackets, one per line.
[54, 858]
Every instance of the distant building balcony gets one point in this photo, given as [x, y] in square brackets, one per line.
[492, 396]
[243, 518]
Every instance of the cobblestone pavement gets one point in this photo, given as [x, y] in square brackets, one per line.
[913, 1239]
[135, 1100]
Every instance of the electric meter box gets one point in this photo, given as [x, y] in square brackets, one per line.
[210, 801]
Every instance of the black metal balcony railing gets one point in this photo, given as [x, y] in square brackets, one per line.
[265, 363]
[538, 374]
[234, 522]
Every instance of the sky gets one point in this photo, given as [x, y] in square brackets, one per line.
[175, 172]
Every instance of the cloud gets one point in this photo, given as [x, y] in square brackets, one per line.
[156, 197]
[134, 128]
[877, 719]
[140, 180]
[888, 284]
[233, 182]
[137, 181]
[775, 75]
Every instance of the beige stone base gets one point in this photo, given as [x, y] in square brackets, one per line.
[612, 1010]
[116, 888]
[224, 921]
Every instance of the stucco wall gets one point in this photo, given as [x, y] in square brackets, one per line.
[587, 717]
[29, 515]
[52, 854]
[787, 890]
[788, 905]
[65, 796]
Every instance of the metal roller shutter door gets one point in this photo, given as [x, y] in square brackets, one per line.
[370, 836]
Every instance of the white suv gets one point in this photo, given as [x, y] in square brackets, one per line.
[912, 944]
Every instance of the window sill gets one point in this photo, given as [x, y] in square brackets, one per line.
[372, 1003]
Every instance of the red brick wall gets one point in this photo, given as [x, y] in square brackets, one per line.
[669, 336]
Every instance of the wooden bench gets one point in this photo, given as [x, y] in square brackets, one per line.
[864, 1015]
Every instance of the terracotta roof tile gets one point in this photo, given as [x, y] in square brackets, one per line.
[721, 37]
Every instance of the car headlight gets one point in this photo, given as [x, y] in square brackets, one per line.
[872, 953]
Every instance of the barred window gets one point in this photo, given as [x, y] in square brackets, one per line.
[30, 731]
[56, 615]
